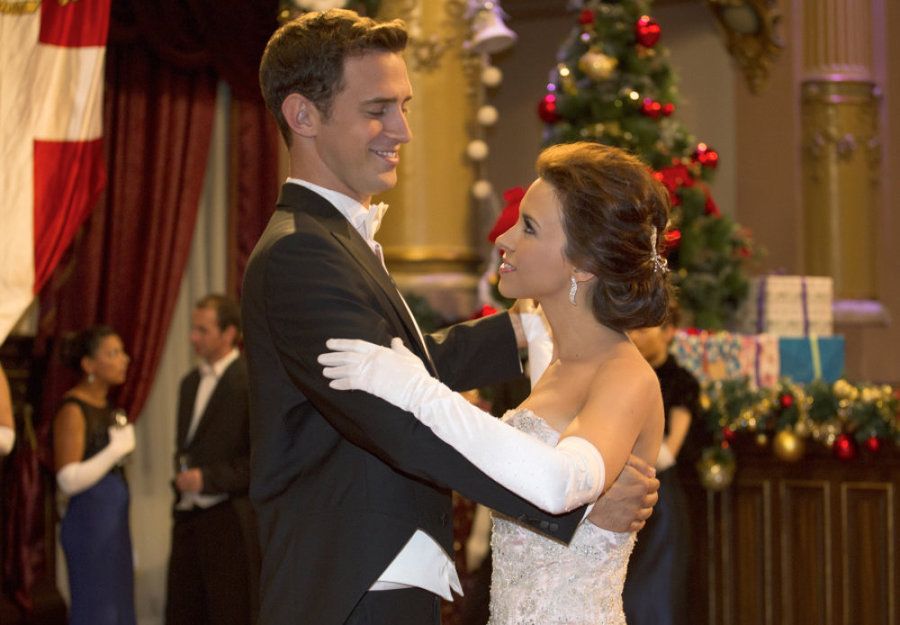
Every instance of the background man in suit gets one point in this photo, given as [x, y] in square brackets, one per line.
[353, 495]
[214, 563]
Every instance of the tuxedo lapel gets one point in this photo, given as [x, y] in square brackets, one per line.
[362, 254]
[186, 406]
[298, 198]
[214, 405]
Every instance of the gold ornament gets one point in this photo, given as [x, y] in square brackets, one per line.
[788, 446]
[715, 475]
[566, 80]
[761, 439]
[597, 65]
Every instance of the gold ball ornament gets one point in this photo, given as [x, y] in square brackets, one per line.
[596, 65]
[761, 439]
[788, 446]
[715, 475]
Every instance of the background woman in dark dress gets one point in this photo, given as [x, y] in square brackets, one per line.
[655, 590]
[89, 446]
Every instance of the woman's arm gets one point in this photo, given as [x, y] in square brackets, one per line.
[74, 475]
[624, 401]
[555, 479]
[679, 423]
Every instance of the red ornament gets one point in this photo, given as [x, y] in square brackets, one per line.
[586, 17]
[844, 447]
[728, 434]
[873, 444]
[667, 109]
[673, 178]
[711, 208]
[647, 31]
[651, 108]
[547, 109]
[706, 156]
[786, 400]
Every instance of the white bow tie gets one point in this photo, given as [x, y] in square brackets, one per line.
[371, 220]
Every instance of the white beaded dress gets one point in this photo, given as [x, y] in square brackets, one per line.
[540, 581]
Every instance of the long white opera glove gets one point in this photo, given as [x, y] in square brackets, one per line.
[7, 440]
[540, 345]
[665, 459]
[555, 479]
[76, 477]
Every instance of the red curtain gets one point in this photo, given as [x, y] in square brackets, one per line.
[126, 267]
[164, 59]
[256, 182]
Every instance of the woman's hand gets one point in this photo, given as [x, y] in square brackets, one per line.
[388, 373]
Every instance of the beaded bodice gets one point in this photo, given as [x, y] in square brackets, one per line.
[540, 581]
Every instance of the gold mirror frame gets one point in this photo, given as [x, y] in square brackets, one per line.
[751, 35]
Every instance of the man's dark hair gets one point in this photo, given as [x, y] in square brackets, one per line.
[307, 55]
[228, 312]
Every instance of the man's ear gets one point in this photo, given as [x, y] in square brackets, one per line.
[301, 115]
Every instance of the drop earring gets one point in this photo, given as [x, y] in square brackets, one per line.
[90, 378]
[573, 291]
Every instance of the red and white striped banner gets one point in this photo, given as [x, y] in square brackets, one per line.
[51, 149]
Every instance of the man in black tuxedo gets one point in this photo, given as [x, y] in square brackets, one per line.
[214, 562]
[353, 494]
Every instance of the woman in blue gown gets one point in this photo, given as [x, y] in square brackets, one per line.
[90, 440]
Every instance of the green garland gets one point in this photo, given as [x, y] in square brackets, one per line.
[840, 416]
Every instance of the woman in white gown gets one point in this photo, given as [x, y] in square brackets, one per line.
[587, 247]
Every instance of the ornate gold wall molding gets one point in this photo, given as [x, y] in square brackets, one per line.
[751, 36]
[840, 123]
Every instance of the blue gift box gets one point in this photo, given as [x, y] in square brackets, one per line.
[805, 358]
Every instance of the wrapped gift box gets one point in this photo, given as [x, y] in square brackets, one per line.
[789, 306]
[760, 359]
[804, 359]
[712, 356]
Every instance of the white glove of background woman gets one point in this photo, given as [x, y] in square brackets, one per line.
[556, 479]
[76, 477]
[7, 440]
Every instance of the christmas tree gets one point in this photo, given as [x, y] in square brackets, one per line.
[613, 84]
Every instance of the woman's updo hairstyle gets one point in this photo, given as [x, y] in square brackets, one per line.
[77, 345]
[610, 206]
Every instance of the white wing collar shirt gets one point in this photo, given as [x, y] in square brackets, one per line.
[422, 563]
[209, 378]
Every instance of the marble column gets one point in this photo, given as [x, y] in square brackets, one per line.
[841, 148]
